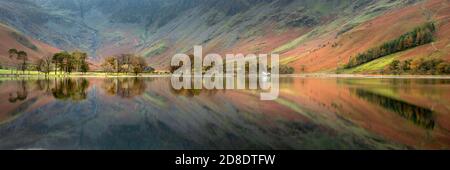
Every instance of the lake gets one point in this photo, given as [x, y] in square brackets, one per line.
[147, 113]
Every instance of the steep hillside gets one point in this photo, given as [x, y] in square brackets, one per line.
[310, 35]
[10, 38]
[334, 49]
[52, 27]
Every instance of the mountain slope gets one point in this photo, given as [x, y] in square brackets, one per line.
[10, 38]
[310, 35]
[48, 26]
[330, 51]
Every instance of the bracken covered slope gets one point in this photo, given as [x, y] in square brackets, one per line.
[310, 35]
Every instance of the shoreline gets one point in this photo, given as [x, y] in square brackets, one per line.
[310, 75]
[368, 76]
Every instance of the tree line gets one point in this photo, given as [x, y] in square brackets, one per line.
[418, 36]
[68, 62]
[66, 89]
[283, 69]
[419, 66]
[64, 62]
[125, 64]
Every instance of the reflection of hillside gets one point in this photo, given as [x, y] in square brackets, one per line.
[244, 82]
[193, 92]
[416, 114]
[322, 95]
[20, 96]
[311, 113]
[124, 87]
[392, 82]
[70, 89]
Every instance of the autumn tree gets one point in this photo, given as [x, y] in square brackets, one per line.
[406, 65]
[394, 66]
[109, 64]
[138, 64]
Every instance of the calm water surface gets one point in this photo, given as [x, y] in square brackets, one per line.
[146, 113]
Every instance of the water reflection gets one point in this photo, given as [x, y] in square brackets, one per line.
[416, 114]
[73, 89]
[237, 84]
[70, 89]
[20, 94]
[44, 85]
[124, 87]
[147, 113]
[193, 92]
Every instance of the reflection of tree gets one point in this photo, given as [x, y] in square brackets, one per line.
[418, 115]
[44, 85]
[187, 92]
[21, 92]
[70, 89]
[124, 87]
[192, 92]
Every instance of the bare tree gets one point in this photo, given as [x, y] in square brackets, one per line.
[44, 65]
[123, 63]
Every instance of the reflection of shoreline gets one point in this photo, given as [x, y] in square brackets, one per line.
[74, 89]
[308, 75]
[368, 76]
[337, 96]
[124, 87]
[27, 92]
[70, 89]
[308, 110]
[420, 116]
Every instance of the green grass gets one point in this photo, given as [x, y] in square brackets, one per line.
[374, 65]
[288, 60]
[7, 72]
[4, 72]
[290, 45]
[377, 86]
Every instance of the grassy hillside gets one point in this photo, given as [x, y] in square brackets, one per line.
[376, 66]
